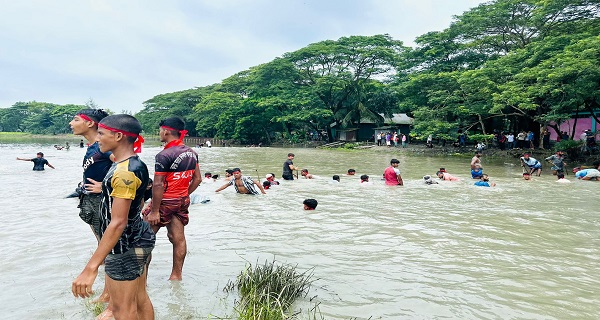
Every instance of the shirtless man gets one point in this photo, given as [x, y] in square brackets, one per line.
[306, 175]
[243, 185]
[446, 176]
[476, 161]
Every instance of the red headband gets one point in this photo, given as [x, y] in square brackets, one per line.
[182, 133]
[137, 145]
[84, 117]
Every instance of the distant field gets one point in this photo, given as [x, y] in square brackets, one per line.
[23, 137]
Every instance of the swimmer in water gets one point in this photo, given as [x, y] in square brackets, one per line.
[310, 204]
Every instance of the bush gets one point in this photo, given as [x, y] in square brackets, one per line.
[566, 145]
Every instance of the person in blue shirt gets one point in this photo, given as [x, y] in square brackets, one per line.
[532, 165]
[485, 182]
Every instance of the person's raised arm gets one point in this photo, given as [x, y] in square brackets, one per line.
[196, 180]
[49, 165]
[82, 285]
[23, 159]
[158, 190]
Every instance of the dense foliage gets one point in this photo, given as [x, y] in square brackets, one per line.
[503, 65]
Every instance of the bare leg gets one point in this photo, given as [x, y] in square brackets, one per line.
[176, 235]
[124, 298]
[145, 308]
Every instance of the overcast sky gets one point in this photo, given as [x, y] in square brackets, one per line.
[121, 53]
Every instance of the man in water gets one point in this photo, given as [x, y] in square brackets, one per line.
[561, 178]
[38, 162]
[531, 165]
[126, 241]
[526, 176]
[446, 176]
[351, 172]
[476, 160]
[176, 176]
[288, 168]
[588, 174]
[558, 162]
[310, 204]
[95, 167]
[335, 178]
[306, 175]
[392, 174]
[271, 178]
[243, 185]
[485, 182]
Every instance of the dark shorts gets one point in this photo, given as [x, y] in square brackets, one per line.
[127, 266]
[288, 177]
[171, 208]
[89, 210]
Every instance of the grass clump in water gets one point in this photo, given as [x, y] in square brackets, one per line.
[268, 291]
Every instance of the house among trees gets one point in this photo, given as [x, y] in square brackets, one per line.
[367, 129]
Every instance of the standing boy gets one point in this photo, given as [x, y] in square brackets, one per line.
[288, 168]
[126, 241]
[176, 176]
[38, 162]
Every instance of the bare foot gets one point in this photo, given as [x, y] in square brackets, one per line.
[103, 298]
[175, 277]
[106, 315]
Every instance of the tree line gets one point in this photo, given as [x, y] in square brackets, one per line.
[504, 65]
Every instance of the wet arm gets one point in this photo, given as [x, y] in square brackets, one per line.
[223, 187]
[23, 159]
[196, 180]
[257, 183]
[51, 166]
[400, 182]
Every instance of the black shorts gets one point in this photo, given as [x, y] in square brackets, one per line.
[287, 176]
[89, 210]
[127, 266]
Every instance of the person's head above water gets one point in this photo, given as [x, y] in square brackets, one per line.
[526, 176]
[440, 174]
[351, 172]
[336, 177]
[364, 178]
[560, 175]
[484, 177]
[310, 204]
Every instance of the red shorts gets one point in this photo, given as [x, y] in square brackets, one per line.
[171, 208]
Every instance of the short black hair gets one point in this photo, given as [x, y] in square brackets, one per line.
[364, 177]
[215, 176]
[304, 170]
[207, 174]
[394, 161]
[336, 177]
[291, 155]
[351, 170]
[173, 122]
[229, 171]
[311, 203]
[235, 169]
[124, 122]
[560, 175]
[95, 114]
[41, 154]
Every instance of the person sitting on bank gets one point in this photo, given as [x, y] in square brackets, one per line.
[243, 185]
[305, 174]
[531, 165]
[485, 182]
[310, 204]
[38, 162]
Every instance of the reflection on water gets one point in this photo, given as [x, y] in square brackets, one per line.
[522, 250]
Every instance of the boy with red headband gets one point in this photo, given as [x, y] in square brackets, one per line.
[176, 176]
[126, 241]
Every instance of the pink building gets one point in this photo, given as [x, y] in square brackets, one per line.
[582, 124]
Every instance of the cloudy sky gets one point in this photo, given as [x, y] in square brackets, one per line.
[121, 53]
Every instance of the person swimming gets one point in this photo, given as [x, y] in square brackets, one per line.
[310, 204]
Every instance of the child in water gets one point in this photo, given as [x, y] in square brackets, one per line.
[310, 204]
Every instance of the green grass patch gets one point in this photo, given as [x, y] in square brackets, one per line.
[268, 291]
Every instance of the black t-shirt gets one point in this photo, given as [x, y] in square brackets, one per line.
[286, 167]
[38, 164]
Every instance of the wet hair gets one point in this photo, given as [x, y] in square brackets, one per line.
[215, 176]
[438, 173]
[394, 161]
[266, 184]
[351, 170]
[485, 177]
[560, 175]
[305, 170]
[95, 114]
[124, 122]
[526, 174]
[229, 171]
[291, 155]
[364, 177]
[336, 177]
[41, 154]
[311, 203]
[235, 170]
[207, 174]
[273, 175]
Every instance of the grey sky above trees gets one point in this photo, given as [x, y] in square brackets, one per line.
[122, 53]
